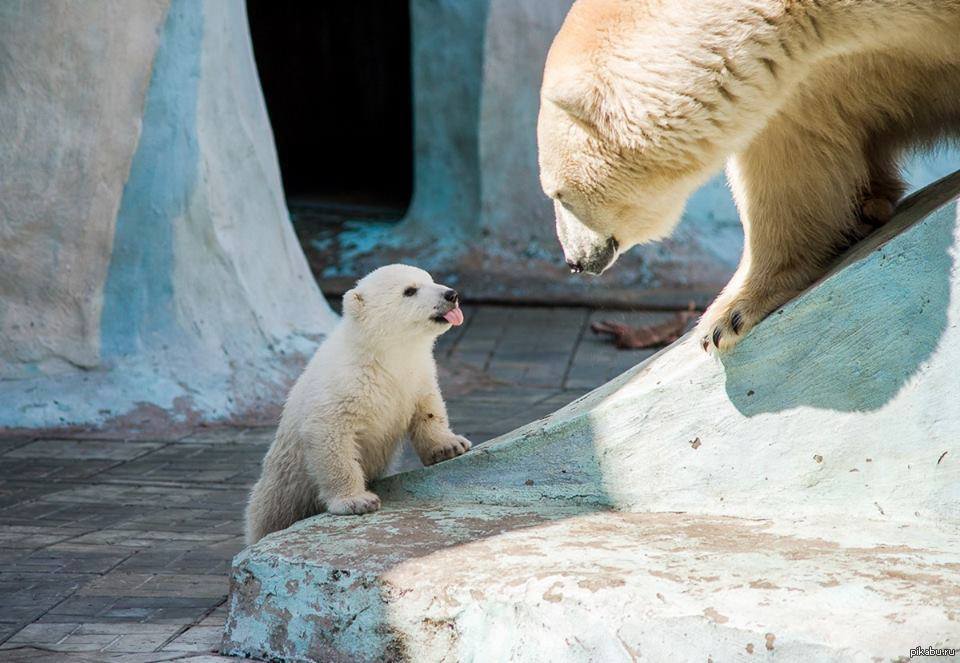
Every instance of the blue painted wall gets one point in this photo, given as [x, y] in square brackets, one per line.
[138, 294]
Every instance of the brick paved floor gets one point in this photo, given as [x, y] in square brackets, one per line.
[119, 550]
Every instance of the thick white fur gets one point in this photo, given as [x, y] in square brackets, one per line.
[810, 102]
[370, 382]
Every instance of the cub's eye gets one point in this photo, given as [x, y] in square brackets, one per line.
[410, 292]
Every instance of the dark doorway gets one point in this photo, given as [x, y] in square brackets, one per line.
[336, 78]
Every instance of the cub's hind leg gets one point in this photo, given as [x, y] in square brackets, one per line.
[333, 460]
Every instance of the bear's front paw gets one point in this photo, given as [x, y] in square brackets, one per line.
[452, 447]
[365, 502]
[729, 318]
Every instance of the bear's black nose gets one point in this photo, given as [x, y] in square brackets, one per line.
[575, 266]
[450, 295]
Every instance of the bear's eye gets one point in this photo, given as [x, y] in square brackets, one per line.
[410, 292]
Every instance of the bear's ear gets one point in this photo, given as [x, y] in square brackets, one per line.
[568, 90]
[352, 304]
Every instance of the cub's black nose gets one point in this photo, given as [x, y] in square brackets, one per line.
[575, 266]
[450, 295]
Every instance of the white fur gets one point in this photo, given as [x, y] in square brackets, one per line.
[810, 102]
[371, 381]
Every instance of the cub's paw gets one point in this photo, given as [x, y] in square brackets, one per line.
[451, 447]
[729, 319]
[365, 502]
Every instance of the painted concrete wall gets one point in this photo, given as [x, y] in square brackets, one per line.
[152, 278]
[70, 126]
[478, 215]
[796, 500]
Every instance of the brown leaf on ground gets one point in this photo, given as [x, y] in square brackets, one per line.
[626, 337]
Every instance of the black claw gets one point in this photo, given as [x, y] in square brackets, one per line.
[736, 321]
[716, 336]
[704, 343]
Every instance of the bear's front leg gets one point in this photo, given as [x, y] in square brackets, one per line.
[331, 456]
[430, 431]
[799, 197]
[743, 304]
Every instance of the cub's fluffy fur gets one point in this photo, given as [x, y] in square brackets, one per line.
[811, 102]
[371, 381]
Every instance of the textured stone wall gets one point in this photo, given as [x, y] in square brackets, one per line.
[150, 276]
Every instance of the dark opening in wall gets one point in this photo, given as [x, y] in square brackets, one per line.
[336, 78]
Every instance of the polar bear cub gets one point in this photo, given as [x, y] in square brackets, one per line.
[370, 382]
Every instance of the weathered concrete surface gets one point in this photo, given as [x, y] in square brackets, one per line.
[68, 130]
[426, 582]
[798, 499]
[150, 276]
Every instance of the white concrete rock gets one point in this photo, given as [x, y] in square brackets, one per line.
[796, 500]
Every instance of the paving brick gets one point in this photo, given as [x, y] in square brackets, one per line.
[52, 468]
[120, 583]
[185, 562]
[29, 536]
[29, 654]
[80, 608]
[154, 657]
[198, 638]
[41, 633]
[14, 492]
[226, 435]
[7, 629]
[116, 637]
[9, 443]
[66, 561]
[116, 450]
[129, 610]
[597, 361]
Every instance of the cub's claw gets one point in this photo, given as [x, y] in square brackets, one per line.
[455, 446]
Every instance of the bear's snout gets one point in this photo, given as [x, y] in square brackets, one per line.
[597, 259]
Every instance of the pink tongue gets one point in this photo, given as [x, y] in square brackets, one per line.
[454, 317]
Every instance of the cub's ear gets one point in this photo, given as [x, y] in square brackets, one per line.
[352, 304]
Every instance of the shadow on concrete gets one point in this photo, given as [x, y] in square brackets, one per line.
[854, 340]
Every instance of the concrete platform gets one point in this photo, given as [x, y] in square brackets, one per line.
[430, 582]
[798, 499]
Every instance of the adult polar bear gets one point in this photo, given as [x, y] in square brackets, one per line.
[811, 102]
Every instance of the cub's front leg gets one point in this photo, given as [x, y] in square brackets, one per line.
[430, 431]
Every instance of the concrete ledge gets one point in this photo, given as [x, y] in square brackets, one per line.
[799, 498]
[429, 582]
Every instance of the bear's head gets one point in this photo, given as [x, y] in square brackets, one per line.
[402, 302]
[620, 150]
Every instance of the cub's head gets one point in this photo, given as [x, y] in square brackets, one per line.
[620, 144]
[402, 302]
